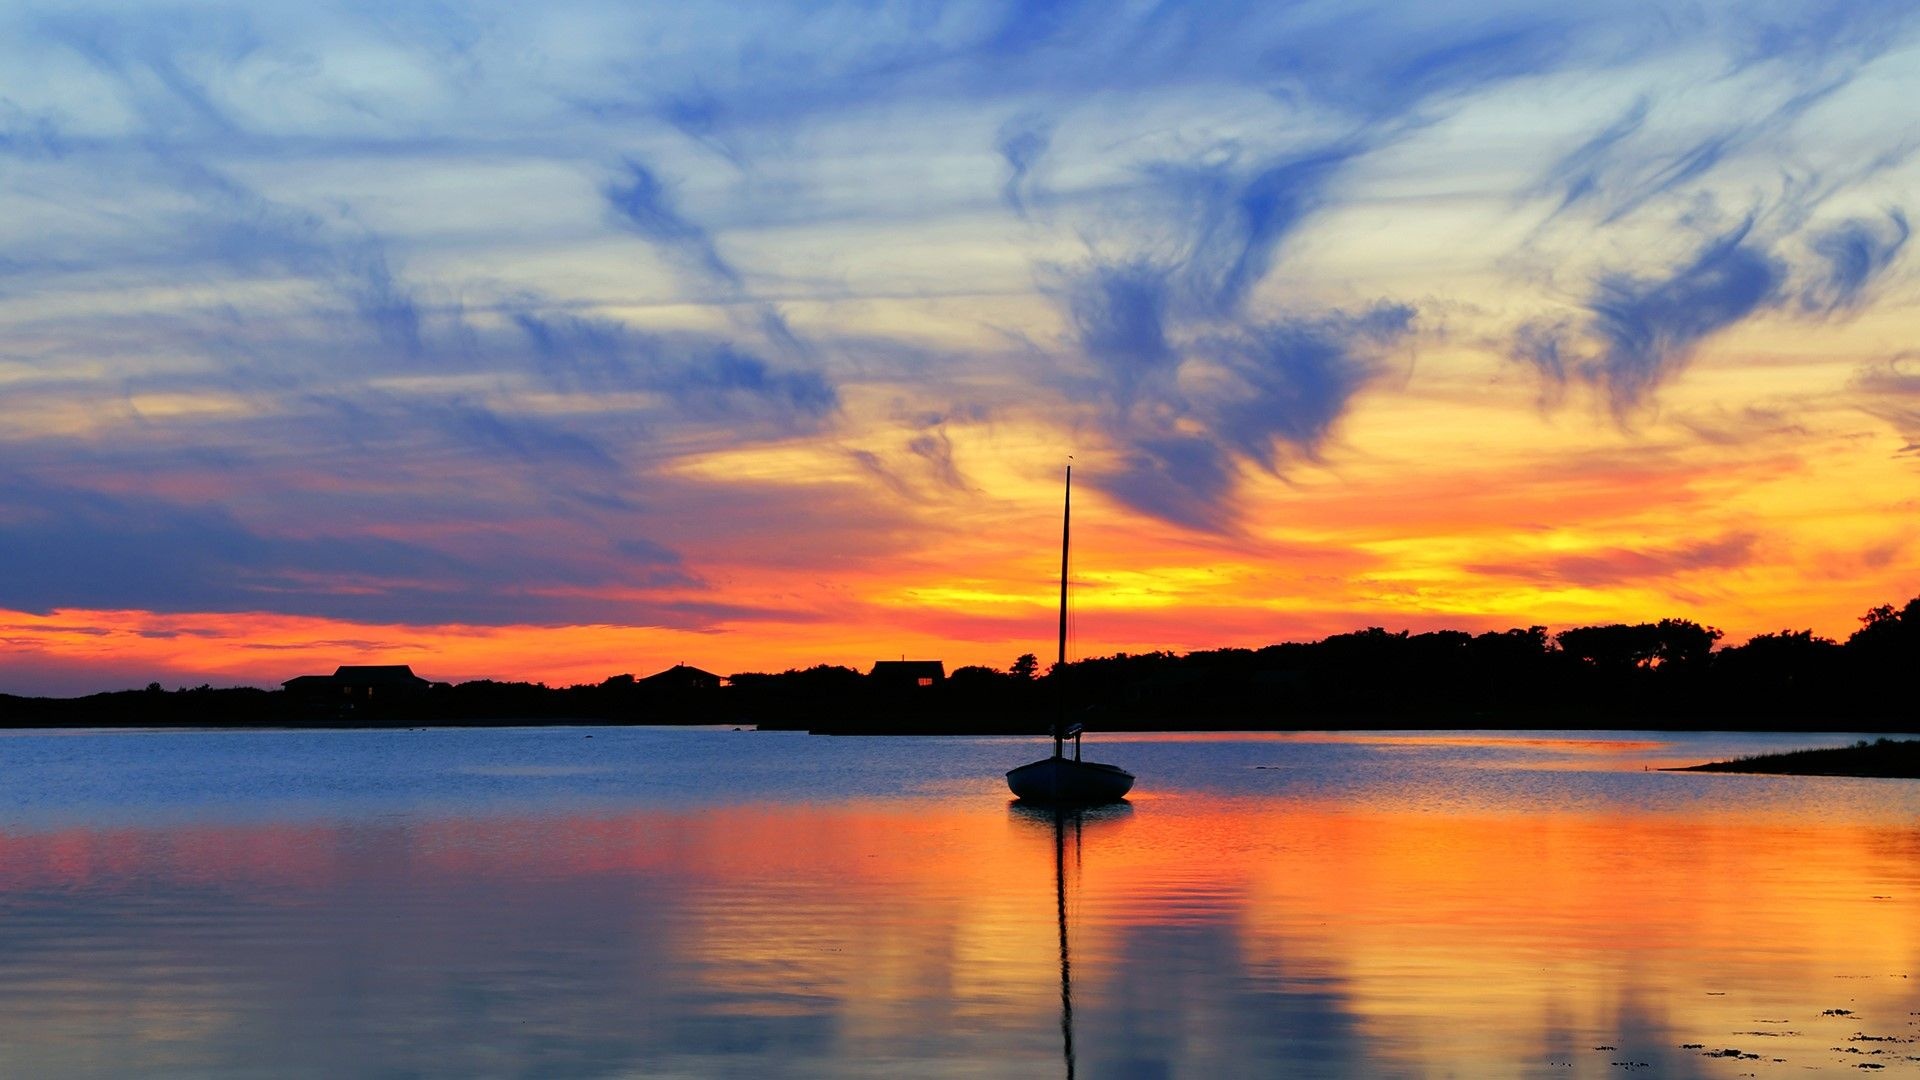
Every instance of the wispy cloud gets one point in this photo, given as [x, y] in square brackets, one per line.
[706, 378]
[1240, 219]
[1857, 253]
[165, 69]
[1286, 383]
[1194, 378]
[641, 203]
[923, 467]
[1780, 64]
[1639, 332]
[1617, 566]
[28, 135]
[1735, 135]
[1639, 329]
[81, 549]
[1183, 412]
[1022, 141]
[526, 439]
[1891, 391]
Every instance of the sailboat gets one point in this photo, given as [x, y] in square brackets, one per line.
[1063, 779]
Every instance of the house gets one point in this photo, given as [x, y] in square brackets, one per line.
[357, 688]
[907, 674]
[364, 682]
[681, 678]
[309, 686]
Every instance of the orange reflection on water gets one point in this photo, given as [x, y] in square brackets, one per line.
[1207, 938]
[1460, 938]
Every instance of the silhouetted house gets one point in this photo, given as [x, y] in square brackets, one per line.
[381, 681]
[680, 679]
[356, 689]
[906, 674]
[310, 686]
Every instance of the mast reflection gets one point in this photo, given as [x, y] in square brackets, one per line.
[1064, 821]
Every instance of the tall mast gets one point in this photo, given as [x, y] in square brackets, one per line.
[1066, 531]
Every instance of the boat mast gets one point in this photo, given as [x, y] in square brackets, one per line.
[1060, 895]
[1060, 669]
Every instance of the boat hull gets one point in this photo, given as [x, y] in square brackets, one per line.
[1063, 780]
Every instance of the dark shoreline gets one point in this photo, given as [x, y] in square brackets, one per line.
[1882, 758]
[934, 714]
[1667, 675]
[1023, 727]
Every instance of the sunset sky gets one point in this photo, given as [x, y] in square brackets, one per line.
[561, 340]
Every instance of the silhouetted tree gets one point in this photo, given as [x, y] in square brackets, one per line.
[1612, 647]
[1682, 642]
[1512, 646]
[1787, 672]
[1785, 649]
[976, 676]
[1885, 629]
[1025, 666]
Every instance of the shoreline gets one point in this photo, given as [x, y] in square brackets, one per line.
[1887, 759]
[1902, 740]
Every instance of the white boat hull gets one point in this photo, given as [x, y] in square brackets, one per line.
[1063, 780]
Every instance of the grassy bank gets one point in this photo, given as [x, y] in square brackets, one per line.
[1882, 757]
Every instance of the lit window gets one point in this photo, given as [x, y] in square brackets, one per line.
[926, 680]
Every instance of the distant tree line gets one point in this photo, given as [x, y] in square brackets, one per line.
[1665, 674]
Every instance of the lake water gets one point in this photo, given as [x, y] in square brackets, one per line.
[716, 903]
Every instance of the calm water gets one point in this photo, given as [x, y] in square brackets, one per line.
[671, 902]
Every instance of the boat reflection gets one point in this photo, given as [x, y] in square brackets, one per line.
[1065, 821]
